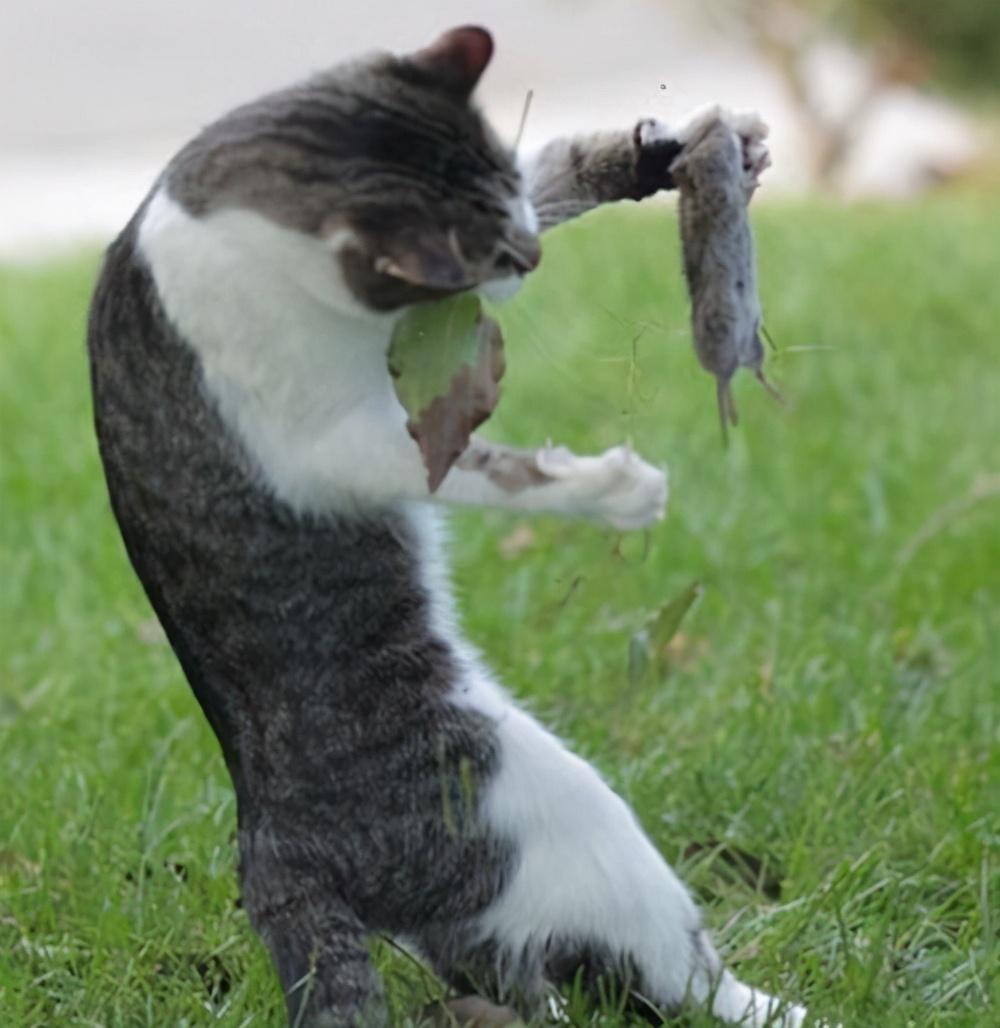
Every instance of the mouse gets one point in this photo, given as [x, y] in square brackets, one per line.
[716, 174]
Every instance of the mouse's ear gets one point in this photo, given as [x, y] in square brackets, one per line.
[458, 58]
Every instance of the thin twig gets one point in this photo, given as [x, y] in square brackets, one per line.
[985, 487]
[432, 978]
[524, 118]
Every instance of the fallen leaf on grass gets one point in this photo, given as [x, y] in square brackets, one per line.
[151, 632]
[652, 645]
[683, 650]
[516, 542]
[667, 621]
[470, 1012]
[13, 863]
[446, 361]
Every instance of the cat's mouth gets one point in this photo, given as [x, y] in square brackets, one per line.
[515, 255]
[417, 267]
[383, 283]
[448, 281]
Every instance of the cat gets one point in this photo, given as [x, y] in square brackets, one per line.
[277, 513]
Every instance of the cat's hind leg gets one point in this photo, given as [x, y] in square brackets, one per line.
[733, 1001]
[319, 948]
[325, 969]
[589, 881]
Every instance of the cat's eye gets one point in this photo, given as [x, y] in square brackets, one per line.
[488, 208]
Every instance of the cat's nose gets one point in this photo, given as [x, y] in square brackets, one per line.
[525, 251]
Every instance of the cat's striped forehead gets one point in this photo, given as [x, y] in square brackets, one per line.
[386, 152]
[379, 133]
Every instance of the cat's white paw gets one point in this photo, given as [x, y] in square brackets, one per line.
[617, 487]
[771, 1015]
[793, 1017]
[797, 1017]
[735, 1002]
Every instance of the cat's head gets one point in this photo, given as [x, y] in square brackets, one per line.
[386, 164]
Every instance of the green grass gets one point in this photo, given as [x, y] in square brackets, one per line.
[830, 706]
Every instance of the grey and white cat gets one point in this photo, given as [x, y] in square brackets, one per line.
[276, 511]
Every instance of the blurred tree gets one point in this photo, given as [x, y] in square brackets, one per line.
[900, 43]
[959, 39]
[785, 31]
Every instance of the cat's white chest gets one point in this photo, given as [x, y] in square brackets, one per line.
[295, 365]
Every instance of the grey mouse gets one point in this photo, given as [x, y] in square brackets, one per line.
[716, 175]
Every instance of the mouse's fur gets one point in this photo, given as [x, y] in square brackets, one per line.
[716, 175]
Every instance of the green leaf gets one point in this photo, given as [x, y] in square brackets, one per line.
[667, 620]
[429, 345]
[446, 360]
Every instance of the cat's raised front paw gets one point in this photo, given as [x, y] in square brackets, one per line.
[656, 149]
[651, 131]
[617, 487]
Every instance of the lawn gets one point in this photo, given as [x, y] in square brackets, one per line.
[815, 748]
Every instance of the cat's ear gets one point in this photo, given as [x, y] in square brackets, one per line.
[459, 57]
[432, 260]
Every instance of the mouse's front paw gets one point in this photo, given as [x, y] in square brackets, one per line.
[752, 130]
[749, 126]
[617, 487]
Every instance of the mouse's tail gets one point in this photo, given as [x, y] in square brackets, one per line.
[727, 408]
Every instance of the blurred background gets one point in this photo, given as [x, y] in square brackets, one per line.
[865, 97]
